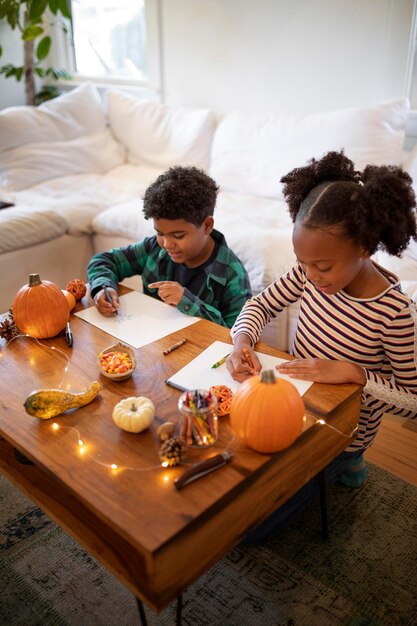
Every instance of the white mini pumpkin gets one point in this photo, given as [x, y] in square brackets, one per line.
[134, 414]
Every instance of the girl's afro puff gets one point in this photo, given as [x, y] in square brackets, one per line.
[300, 181]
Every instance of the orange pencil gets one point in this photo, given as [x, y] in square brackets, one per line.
[248, 359]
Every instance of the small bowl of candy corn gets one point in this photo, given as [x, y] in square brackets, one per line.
[117, 362]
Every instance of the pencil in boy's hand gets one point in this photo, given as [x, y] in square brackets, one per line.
[219, 362]
[109, 298]
[248, 359]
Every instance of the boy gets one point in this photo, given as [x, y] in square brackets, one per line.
[187, 264]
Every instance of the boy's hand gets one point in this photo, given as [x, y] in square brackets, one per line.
[103, 306]
[242, 362]
[169, 291]
[324, 371]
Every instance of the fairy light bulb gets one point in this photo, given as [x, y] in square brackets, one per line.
[55, 426]
[114, 466]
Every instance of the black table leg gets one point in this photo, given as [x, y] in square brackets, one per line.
[321, 477]
[142, 613]
[179, 610]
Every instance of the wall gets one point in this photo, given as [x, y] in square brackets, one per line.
[272, 56]
[284, 55]
[11, 92]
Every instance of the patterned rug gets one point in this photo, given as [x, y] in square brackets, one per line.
[365, 575]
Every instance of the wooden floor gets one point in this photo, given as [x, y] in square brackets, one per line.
[395, 447]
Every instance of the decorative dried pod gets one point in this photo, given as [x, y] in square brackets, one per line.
[224, 397]
[77, 287]
[165, 430]
[172, 451]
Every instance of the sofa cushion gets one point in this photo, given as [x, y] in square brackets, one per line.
[63, 136]
[160, 135]
[23, 227]
[252, 152]
[79, 198]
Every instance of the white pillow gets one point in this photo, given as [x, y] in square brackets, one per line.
[410, 166]
[27, 165]
[252, 152]
[158, 134]
[74, 114]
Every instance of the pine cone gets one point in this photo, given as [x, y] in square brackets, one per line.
[8, 328]
[173, 451]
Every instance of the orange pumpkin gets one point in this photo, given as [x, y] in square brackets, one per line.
[70, 299]
[40, 309]
[267, 413]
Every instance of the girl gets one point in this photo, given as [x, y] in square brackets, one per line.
[355, 325]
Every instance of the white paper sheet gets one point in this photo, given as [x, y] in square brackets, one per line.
[198, 374]
[141, 319]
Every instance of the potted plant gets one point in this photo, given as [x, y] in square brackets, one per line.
[30, 17]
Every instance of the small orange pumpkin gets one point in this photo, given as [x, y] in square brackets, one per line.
[267, 413]
[70, 299]
[77, 288]
[40, 309]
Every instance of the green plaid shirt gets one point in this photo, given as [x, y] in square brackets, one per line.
[220, 298]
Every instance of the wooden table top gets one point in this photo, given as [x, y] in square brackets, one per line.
[156, 539]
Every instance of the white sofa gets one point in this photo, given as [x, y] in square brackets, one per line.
[76, 169]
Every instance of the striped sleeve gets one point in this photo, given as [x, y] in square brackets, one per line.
[399, 394]
[259, 310]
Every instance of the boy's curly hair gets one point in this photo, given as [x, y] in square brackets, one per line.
[375, 208]
[186, 193]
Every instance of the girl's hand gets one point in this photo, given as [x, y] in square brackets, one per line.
[169, 291]
[103, 306]
[323, 371]
[242, 362]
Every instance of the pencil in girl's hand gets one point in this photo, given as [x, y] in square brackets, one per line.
[248, 359]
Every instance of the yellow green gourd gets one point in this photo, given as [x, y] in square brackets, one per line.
[47, 403]
[134, 414]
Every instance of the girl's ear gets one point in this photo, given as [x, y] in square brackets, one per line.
[364, 253]
[208, 224]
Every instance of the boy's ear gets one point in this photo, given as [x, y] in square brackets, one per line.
[208, 224]
[365, 253]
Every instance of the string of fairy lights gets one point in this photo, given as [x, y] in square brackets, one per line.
[82, 446]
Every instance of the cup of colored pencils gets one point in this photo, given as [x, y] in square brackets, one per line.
[199, 426]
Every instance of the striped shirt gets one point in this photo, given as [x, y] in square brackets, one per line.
[379, 334]
[220, 296]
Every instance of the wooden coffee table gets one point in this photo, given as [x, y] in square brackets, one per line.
[155, 539]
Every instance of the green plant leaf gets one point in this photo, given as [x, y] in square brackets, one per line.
[40, 71]
[65, 8]
[53, 5]
[63, 73]
[43, 48]
[31, 32]
[58, 72]
[9, 70]
[5, 68]
[13, 19]
[37, 9]
[9, 9]
[1, 51]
